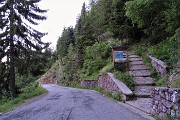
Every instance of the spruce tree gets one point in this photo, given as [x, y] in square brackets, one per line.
[17, 34]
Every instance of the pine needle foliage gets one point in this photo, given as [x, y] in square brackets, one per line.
[17, 36]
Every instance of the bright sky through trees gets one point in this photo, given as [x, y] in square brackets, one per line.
[62, 13]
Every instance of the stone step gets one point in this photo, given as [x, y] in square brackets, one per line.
[138, 67]
[131, 53]
[140, 73]
[143, 80]
[136, 63]
[133, 56]
[143, 91]
[135, 59]
[143, 104]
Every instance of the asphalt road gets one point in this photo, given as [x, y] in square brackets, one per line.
[62, 103]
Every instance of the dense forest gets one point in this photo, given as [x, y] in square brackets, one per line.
[142, 25]
[83, 52]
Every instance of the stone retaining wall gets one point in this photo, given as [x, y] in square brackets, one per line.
[166, 101]
[111, 84]
[175, 76]
[89, 83]
[106, 82]
[159, 65]
[48, 80]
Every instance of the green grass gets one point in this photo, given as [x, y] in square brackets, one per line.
[93, 75]
[108, 68]
[125, 78]
[140, 48]
[162, 81]
[28, 92]
[176, 83]
[75, 84]
[109, 95]
[167, 51]
[166, 117]
[117, 96]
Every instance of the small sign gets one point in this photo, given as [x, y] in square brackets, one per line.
[119, 56]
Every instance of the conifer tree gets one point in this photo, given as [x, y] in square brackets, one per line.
[17, 34]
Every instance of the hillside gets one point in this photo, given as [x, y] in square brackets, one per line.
[144, 26]
[83, 52]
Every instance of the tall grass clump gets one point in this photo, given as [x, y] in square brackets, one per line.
[125, 78]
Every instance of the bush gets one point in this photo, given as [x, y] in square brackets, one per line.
[24, 80]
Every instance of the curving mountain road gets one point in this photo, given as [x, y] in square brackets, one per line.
[62, 103]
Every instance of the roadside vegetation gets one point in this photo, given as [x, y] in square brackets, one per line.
[167, 51]
[116, 96]
[83, 52]
[23, 56]
[30, 91]
[125, 78]
[142, 25]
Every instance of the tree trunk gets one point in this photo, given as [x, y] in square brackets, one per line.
[11, 57]
[12, 71]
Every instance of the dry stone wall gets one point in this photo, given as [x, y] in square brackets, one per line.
[175, 76]
[166, 101]
[89, 83]
[159, 65]
[48, 80]
[111, 84]
[106, 82]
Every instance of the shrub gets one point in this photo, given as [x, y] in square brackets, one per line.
[24, 80]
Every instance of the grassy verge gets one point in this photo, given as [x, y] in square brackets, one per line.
[116, 96]
[28, 92]
[166, 117]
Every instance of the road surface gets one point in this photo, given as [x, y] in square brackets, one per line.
[62, 103]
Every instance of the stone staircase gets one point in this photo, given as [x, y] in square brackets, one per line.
[143, 83]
